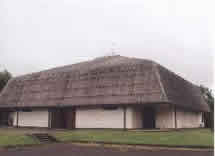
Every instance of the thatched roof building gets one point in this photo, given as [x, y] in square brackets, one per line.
[112, 80]
[107, 80]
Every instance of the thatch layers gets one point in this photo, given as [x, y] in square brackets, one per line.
[181, 92]
[107, 80]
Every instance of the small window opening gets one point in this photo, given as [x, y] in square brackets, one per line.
[110, 107]
[27, 110]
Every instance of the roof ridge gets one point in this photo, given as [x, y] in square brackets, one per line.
[157, 74]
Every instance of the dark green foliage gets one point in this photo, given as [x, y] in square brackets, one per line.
[209, 98]
[4, 77]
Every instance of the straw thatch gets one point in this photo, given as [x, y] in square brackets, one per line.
[106, 80]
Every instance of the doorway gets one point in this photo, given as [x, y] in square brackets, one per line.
[148, 118]
[63, 118]
[4, 118]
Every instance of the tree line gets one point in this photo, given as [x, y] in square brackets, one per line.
[5, 76]
[209, 98]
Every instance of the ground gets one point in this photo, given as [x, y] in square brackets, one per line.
[197, 137]
[92, 150]
[12, 137]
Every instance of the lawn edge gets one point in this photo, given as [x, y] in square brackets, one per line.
[151, 145]
[101, 143]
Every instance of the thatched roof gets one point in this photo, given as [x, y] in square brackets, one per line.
[106, 80]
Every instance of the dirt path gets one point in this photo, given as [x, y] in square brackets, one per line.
[95, 150]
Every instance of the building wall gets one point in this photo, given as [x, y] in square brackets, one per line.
[137, 118]
[103, 118]
[36, 118]
[186, 119]
[99, 118]
[164, 117]
[129, 118]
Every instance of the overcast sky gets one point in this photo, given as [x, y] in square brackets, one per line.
[39, 34]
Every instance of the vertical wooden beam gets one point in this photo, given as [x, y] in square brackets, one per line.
[74, 118]
[124, 117]
[17, 118]
[175, 116]
[49, 118]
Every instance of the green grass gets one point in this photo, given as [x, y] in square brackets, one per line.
[197, 137]
[9, 140]
[15, 137]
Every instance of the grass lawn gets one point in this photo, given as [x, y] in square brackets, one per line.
[201, 137]
[12, 137]
[16, 140]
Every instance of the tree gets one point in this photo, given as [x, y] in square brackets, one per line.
[5, 76]
[209, 98]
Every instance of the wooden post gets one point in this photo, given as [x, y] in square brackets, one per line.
[49, 118]
[124, 117]
[175, 116]
[17, 118]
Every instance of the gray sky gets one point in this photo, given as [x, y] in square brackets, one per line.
[41, 34]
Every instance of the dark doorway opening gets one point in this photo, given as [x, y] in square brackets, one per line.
[148, 117]
[4, 119]
[62, 118]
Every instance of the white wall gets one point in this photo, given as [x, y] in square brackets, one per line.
[99, 118]
[36, 118]
[164, 117]
[129, 118]
[137, 118]
[187, 119]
